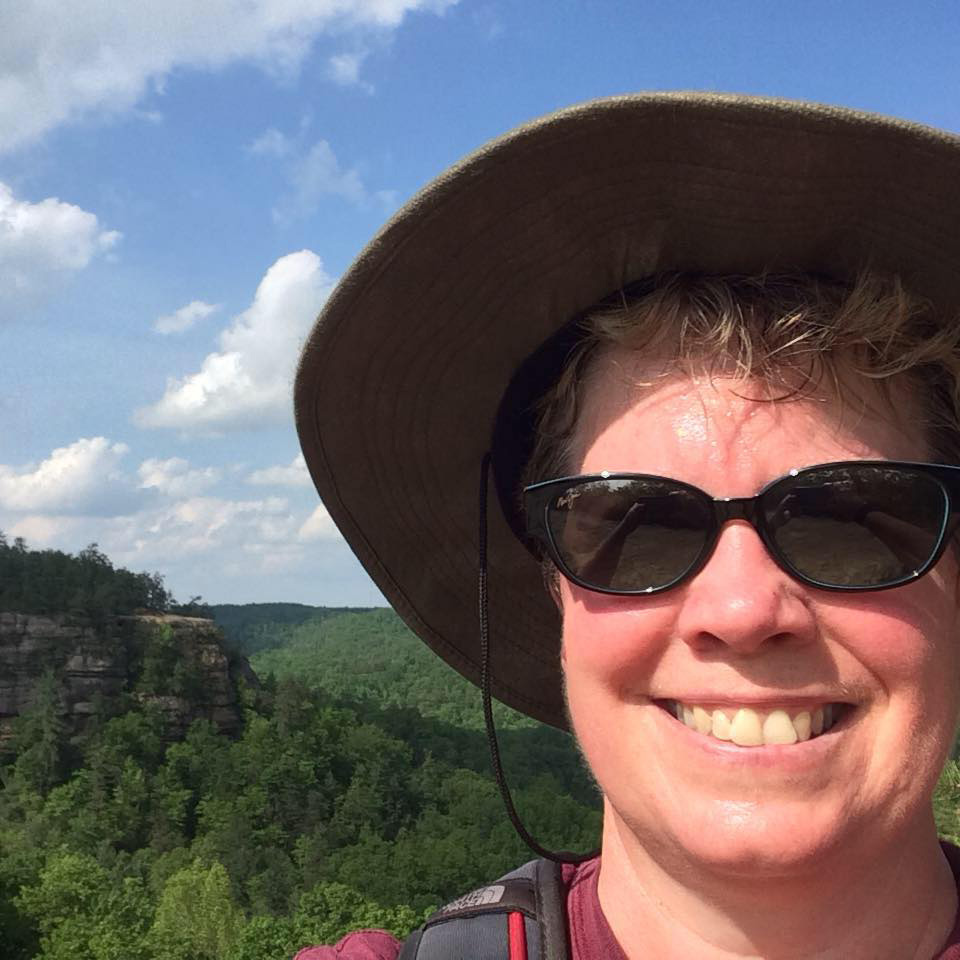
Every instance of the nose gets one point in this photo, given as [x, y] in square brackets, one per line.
[742, 600]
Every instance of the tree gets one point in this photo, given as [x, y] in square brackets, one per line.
[38, 737]
[81, 915]
[197, 918]
[17, 932]
[331, 910]
[62, 904]
[122, 922]
[378, 796]
[266, 938]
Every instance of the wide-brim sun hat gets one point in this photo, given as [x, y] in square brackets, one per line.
[402, 377]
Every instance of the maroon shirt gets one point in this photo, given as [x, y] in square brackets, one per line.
[590, 935]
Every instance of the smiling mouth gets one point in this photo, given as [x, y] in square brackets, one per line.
[748, 727]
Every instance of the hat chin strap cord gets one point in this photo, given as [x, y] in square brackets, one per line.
[562, 856]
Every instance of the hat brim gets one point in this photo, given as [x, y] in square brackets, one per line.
[401, 378]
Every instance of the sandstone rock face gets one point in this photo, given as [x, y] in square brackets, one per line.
[177, 663]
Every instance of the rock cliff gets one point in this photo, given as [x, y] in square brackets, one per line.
[177, 663]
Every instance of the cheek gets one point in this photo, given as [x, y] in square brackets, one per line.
[907, 641]
[608, 642]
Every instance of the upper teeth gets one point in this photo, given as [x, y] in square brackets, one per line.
[747, 727]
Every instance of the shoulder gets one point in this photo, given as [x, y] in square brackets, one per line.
[360, 945]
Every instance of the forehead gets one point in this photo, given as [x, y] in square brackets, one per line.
[644, 415]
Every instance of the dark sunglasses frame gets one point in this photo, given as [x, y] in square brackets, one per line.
[537, 498]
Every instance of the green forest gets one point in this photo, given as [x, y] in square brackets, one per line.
[357, 792]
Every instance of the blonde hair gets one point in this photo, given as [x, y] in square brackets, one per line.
[797, 334]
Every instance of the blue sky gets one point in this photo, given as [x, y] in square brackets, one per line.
[182, 183]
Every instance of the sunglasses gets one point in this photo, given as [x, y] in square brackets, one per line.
[853, 525]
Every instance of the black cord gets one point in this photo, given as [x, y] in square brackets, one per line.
[560, 857]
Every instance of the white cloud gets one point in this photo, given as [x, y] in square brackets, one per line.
[184, 318]
[319, 172]
[82, 478]
[261, 534]
[235, 551]
[318, 526]
[41, 506]
[173, 477]
[43, 240]
[248, 382]
[43, 531]
[293, 475]
[202, 524]
[64, 59]
[158, 517]
[344, 70]
[199, 531]
[315, 173]
[272, 143]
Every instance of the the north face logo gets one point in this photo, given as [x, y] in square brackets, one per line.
[478, 898]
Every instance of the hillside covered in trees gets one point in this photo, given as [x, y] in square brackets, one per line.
[356, 793]
[251, 627]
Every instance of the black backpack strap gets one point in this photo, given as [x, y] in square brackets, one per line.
[475, 926]
[552, 911]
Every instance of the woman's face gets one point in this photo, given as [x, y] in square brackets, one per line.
[743, 635]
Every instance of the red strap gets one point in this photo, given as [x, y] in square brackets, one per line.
[517, 936]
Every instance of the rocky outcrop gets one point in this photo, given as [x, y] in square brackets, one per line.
[177, 663]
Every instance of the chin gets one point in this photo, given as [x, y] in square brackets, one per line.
[761, 838]
[740, 838]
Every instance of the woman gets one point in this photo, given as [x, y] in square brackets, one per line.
[710, 345]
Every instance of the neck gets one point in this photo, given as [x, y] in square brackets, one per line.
[876, 903]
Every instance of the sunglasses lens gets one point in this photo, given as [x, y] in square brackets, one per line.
[629, 534]
[858, 525]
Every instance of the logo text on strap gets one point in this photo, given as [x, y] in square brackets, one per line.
[478, 898]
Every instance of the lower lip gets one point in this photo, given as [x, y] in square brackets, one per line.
[792, 757]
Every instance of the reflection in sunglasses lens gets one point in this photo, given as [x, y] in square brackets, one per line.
[856, 525]
[629, 533]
